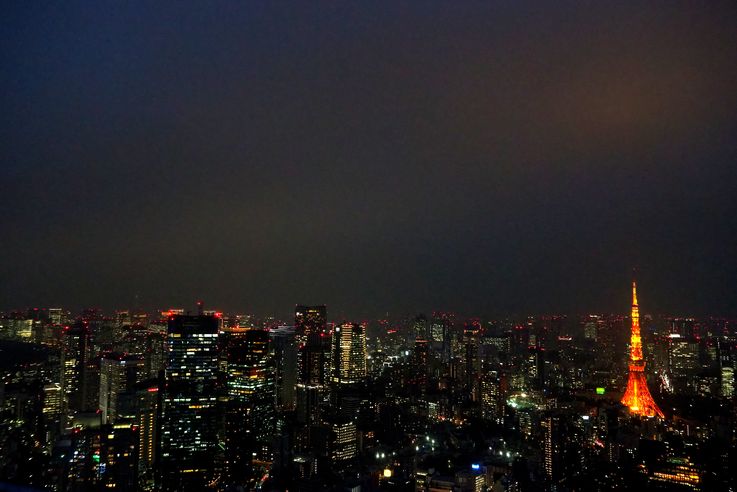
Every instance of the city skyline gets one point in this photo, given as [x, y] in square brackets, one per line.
[195, 305]
[219, 401]
[406, 246]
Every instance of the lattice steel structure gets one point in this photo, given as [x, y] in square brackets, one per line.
[637, 396]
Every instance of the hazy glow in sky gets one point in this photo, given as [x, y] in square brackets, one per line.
[490, 158]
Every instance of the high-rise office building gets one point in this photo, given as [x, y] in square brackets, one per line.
[472, 357]
[250, 413]
[148, 406]
[118, 375]
[117, 456]
[492, 398]
[591, 327]
[419, 327]
[284, 355]
[348, 353]
[189, 416]
[53, 410]
[552, 450]
[343, 441]
[726, 369]
[75, 360]
[308, 320]
[440, 334]
[313, 343]
[311, 390]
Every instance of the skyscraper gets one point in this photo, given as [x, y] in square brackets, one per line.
[76, 355]
[250, 415]
[440, 333]
[348, 353]
[310, 325]
[189, 430]
[308, 320]
[147, 407]
[313, 361]
[118, 375]
[637, 395]
[284, 353]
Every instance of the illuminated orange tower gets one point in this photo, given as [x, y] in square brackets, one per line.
[637, 396]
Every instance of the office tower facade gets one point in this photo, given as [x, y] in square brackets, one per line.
[441, 327]
[148, 406]
[250, 418]
[552, 450]
[309, 320]
[343, 445]
[313, 365]
[75, 360]
[472, 357]
[348, 353]
[118, 375]
[591, 327]
[284, 355]
[726, 369]
[189, 416]
[419, 327]
[491, 395]
[117, 457]
[53, 410]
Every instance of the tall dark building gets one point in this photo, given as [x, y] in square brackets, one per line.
[75, 371]
[189, 418]
[118, 375]
[250, 419]
[471, 356]
[148, 407]
[419, 327]
[311, 390]
[309, 319]
[313, 360]
[284, 353]
[440, 334]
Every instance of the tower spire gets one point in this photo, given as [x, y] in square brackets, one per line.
[634, 293]
[637, 395]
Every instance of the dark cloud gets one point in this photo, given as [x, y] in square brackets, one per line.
[482, 157]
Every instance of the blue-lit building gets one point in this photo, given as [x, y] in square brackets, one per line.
[188, 458]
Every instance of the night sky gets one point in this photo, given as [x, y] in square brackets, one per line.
[488, 158]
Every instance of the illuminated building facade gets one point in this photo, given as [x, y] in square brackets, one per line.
[440, 333]
[250, 415]
[76, 355]
[677, 473]
[117, 467]
[53, 408]
[491, 395]
[148, 405]
[189, 430]
[637, 395]
[118, 375]
[551, 448]
[343, 445]
[349, 353]
[309, 320]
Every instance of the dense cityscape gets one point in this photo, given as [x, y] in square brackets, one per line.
[405, 245]
[216, 401]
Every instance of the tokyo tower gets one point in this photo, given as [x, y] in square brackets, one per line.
[637, 396]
